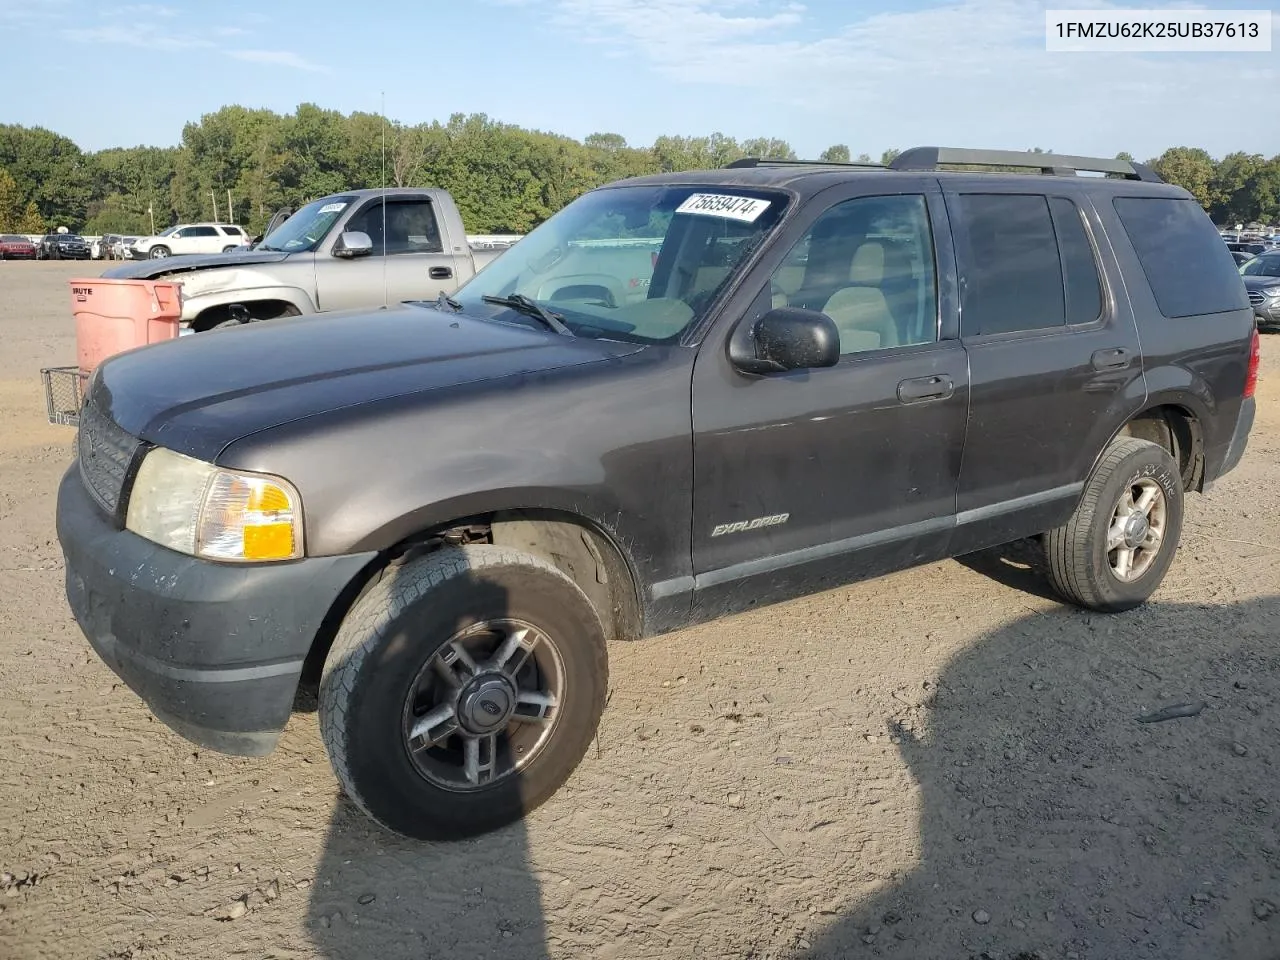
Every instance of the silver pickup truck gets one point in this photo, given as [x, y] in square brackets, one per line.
[352, 250]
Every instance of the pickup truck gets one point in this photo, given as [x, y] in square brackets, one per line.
[340, 252]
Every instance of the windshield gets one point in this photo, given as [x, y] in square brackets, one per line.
[10, 238]
[306, 228]
[630, 263]
[168, 230]
[1267, 265]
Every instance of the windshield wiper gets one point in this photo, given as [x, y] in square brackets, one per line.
[531, 308]
[444, 300]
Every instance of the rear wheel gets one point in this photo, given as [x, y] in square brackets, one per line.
[1116, 548]
[462, 690]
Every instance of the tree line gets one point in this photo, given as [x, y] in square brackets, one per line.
[242, 164]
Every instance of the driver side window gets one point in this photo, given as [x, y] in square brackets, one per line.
[410, 227]
[868, 264]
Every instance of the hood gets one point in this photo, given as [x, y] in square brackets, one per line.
[198, 394]
[1260, 283]
[168, 266]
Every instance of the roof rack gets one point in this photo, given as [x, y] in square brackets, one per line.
[1053, 164]
[765, 162]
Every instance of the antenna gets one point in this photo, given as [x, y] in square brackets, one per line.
[385, 292]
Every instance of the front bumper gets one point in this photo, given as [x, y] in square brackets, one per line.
[1267, 313]
[215, 650]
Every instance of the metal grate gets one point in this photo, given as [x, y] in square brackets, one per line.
[1255, 298]
[63, 394]
[106, 453]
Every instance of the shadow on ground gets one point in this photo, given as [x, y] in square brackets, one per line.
[1056, 825]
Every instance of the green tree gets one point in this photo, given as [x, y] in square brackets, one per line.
[1125, 155]
[1190, 168]
[49, 169]
[837, 153]
[890, 155]
[10, 203]
[31, 221]
[768, 148]
[609, 142]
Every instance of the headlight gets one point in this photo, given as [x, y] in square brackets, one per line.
[1271, 292]
[204, 511]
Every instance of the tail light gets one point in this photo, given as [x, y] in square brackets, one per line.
[1255, 360]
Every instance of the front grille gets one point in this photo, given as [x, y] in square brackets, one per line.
[1256, 298]
[106, 454]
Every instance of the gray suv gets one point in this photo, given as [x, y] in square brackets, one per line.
[679, 397]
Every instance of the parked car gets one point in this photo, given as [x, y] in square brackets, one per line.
[1240, 257]
[62, 246]
[14, 247]
[189, 239]
[120, 247]
[1253, 249]
[1262, 280]
[443, 512]
[331, 255]
[100, 249]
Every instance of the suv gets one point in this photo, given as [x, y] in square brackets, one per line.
[62, 246]
[189, 238]
[681, 396]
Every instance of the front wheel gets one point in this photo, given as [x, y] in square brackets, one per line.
[462, 690]
[1116, 548]
[159, 252]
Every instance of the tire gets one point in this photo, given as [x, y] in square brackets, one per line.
[1081, 566]
[227, 249]
[158, 252]
[388, 644]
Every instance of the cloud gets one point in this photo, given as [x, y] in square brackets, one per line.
[138, 10]
[963, 70]
[283, 58]
[20, 13]
[141, 35]
[230, 31]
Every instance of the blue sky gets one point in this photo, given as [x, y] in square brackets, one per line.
[814, 72]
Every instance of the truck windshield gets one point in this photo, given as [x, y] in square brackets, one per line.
[639, 263]
[306, 228]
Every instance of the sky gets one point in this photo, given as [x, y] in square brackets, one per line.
[872, 75]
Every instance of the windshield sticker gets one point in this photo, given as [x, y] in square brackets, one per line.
[333, 208]
[746, 209]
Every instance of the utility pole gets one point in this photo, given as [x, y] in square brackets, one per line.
[231, 214]
[213, 195]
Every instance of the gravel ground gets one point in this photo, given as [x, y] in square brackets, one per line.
[942, 763]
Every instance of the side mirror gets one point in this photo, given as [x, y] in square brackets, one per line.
[352, 244]
[788, 338]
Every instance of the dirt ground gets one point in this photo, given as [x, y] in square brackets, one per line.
[942, 763]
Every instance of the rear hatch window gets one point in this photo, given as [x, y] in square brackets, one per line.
[1189, 268]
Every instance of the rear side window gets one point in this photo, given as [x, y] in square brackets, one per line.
[1084, 292]
[1190, 270]
[1011, 274]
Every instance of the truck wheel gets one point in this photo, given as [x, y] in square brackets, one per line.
[159, 252]
[462, 690]
[1116, 548]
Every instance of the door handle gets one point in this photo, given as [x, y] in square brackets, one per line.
[1116, 358]
[925, 388]
[440, 273]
